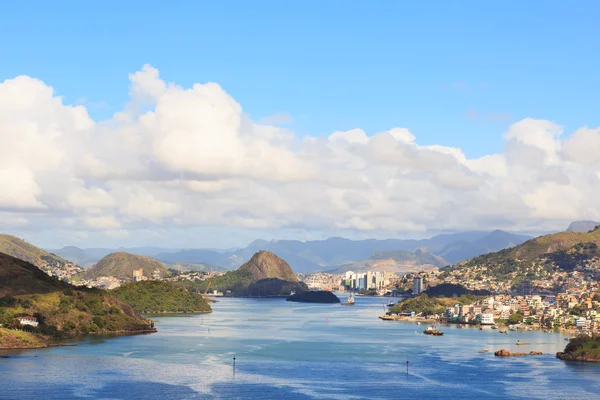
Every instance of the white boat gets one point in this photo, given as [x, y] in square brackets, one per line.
[350, 301]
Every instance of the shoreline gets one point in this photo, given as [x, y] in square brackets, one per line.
[50, 343]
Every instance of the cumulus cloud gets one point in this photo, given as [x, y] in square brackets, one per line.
[178, 157]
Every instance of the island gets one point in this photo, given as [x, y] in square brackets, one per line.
[582, 348]
[317, 296]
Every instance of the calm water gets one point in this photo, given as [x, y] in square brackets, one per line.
[298, 351]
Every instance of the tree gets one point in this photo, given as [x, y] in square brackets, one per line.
[515, 318]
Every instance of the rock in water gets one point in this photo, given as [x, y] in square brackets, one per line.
[317, 296]
[265, 265]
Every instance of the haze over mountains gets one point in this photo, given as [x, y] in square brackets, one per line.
[323, 255]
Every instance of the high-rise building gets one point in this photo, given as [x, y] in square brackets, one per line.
[525, 287]
[138, 275]
[417, 285]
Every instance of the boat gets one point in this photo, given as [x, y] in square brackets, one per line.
[432, 331]
[391, 303]
[350, 301]
[494, 327]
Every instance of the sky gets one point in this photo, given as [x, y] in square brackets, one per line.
[211, 124]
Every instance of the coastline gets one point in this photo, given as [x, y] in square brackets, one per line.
[42, 341]
[579, 358]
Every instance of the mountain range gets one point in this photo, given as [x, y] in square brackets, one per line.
[319, 255]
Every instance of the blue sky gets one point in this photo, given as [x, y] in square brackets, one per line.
[454, 74]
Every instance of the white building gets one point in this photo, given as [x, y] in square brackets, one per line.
[487, 319]
[28, 320]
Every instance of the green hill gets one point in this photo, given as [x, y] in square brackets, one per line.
[20, 277]
[121, 265]
[18, 248]
[61, 309]
[152, 297]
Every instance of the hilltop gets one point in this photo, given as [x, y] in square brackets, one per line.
[265, 264]
[60, 308]
[121, 265]
[19, 248]
[152, 297]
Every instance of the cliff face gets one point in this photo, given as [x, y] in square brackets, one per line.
[266, 265]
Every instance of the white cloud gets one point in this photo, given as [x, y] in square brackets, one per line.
[178, 157]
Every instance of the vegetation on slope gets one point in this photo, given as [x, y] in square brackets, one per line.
[61, 309]
[160, 297]
[17, 339]
[73, 312]
[121, 265]
[20, 277]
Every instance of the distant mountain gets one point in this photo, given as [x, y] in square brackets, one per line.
[22, 250]
[318, 255]
[582, 226]
[400, 262]
[121, 265]
[494, 241]
[321, 255]
[193, 256]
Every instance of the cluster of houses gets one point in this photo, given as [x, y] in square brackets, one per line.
[548, 311]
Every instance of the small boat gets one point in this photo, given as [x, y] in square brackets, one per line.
[494, 327]
[350, 301]
[418, 323]
[432, 331]
[391, 303]
[481, 328]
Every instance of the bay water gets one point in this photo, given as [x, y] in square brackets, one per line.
[287, 350]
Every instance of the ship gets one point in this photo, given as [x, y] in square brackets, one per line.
[432, 331]
[391, 303]
[350, 301]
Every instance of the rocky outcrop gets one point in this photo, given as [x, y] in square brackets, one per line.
[506, 353]
[265, 265]
[317, 296]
